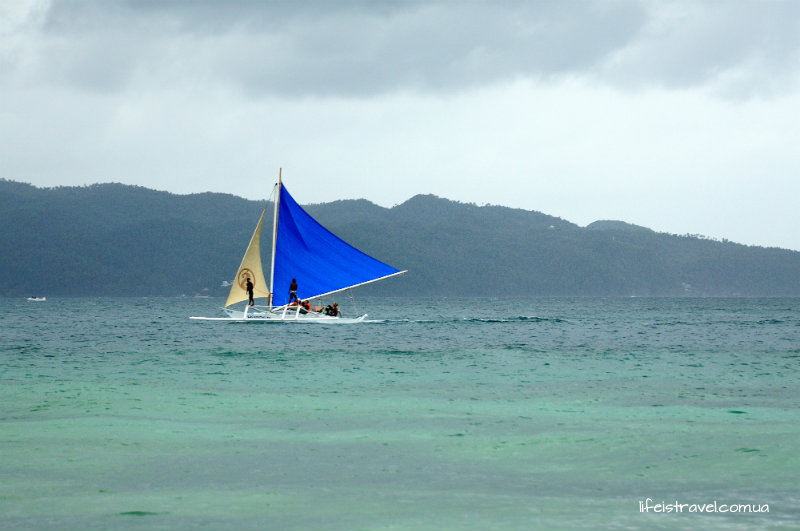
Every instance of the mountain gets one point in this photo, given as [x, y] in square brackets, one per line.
[113, 239]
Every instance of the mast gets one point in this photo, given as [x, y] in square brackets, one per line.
[274, 236]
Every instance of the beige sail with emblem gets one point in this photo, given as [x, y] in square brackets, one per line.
[250, 268]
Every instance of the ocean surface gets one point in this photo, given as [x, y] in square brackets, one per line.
[452, 414]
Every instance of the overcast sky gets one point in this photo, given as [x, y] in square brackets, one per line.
[680, 116]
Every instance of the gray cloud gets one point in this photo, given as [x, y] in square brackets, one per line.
[745, 47]
[367, 48]
[586, 110]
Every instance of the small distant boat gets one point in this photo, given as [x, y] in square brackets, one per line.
[302, 249]
[37, 299]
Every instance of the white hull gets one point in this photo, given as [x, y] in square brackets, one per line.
[280, 316]
[37, 299]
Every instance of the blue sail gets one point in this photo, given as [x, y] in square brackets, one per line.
[320, 261]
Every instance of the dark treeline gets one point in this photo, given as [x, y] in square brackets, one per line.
[113, 239]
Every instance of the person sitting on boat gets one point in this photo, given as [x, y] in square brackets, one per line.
[333, 311]
[293, 291]
[304, 307]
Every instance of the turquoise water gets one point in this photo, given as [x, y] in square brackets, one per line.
[456, 414]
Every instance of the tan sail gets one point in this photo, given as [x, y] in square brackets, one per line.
[250, 268]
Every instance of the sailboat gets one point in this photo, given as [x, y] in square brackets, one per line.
[303, 250]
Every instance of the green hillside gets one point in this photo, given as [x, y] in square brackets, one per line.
[113, 239]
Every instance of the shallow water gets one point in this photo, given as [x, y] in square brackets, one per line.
[458, 414]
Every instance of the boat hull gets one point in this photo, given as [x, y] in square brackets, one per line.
[280, 317]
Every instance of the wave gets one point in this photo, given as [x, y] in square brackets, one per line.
[518, 319]
[488, 320]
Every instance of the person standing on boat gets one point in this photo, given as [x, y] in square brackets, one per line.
[251, 302]
[293, 291]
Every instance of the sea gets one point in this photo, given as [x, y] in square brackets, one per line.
[433, 414]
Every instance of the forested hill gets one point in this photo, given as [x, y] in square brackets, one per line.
[113, 239]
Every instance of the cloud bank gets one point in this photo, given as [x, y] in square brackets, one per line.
[675, 115]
